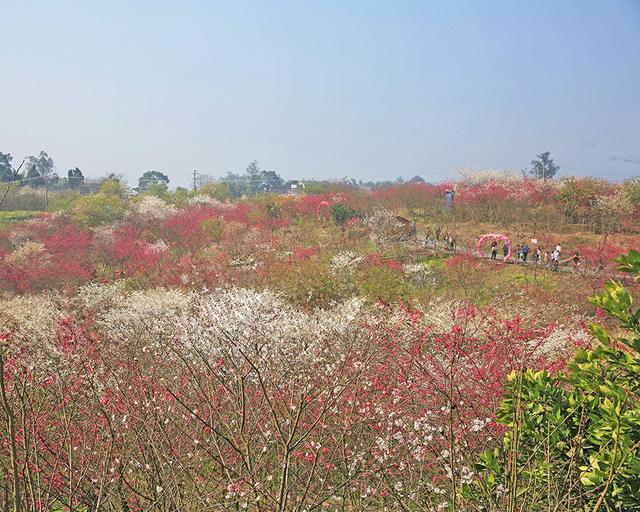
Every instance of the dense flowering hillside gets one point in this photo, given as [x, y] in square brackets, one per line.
[280, 352]
[205, 242]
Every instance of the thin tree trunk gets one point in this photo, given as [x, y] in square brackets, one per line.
[17, 502]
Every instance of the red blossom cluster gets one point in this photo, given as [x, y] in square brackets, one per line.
[56, 255]
[375, 259]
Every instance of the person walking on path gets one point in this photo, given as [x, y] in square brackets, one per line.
[525, 252]
[494, 250]
[555, 257]
[576, 262]
[505, 250]
[537, 255]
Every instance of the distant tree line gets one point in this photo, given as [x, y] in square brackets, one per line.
[256, 180]
[39, 172]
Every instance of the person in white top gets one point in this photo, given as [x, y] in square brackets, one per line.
[555, 257]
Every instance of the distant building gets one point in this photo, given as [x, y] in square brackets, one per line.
[295, 188]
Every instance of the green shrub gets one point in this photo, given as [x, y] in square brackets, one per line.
[217, 190]
[573, 440]
[114, 187]
[306, 282]
[99, 209]
[381, 283]
[64, 201]
[213, 228]
[342, 213]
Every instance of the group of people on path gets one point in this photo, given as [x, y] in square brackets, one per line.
[521, 252]
[433, 239]
[540, 256]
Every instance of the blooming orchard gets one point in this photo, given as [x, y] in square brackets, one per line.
[188, 353]
[235, 397]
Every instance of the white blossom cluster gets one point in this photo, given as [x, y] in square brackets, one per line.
[345, 261]
[27, 252]
[205, 200]
[246, 263]
[475, 178]
[31, 318]
[244, 325]
[152, 316]
[612, 208]
[560, 339]
[225, 323]
[104, 234]
[385, 227]
[423, 433]
[478, 424]
[157, 247]
[154, 208]
[420, 274]
[18, 237]
[440, 314]
[94, 298]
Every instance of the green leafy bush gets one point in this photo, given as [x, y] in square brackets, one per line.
[342, 213]
[99, 209]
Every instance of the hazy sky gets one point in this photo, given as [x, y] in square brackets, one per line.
[322, 88]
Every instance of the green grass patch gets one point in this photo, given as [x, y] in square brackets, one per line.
[12, 216]
[543, 279]
[436, 261]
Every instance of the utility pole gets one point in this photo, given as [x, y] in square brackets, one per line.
[195, 177]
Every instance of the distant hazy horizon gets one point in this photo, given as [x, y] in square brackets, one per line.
[368, 90]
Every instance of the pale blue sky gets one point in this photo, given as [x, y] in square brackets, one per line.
[326, 89]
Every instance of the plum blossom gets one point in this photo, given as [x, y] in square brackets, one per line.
[150, 315]
[99, 297]
[28, 252]
[420, 274]
[386, 227]
[238, 322]
[345, 261]
[31, 318]
[205, 200]
[153, 208]
[157, 247]
[561, 338]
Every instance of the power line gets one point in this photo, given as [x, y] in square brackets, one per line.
[41, 177]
